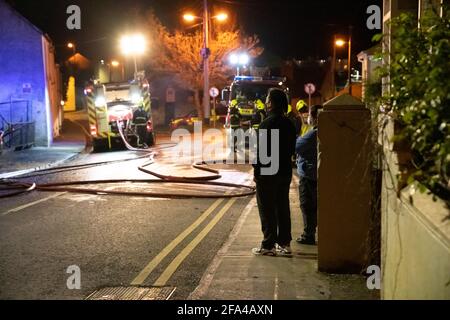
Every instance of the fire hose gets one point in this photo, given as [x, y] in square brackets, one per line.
[15, 187]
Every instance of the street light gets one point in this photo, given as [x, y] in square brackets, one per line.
[339, 42]
[133, 45]
[205, 52]
[189, 17]
[221, 16]
[241, 59]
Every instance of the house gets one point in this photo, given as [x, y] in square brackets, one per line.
[370, 62]
[30, 80]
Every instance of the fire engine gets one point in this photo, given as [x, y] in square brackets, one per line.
[113, 104]
[245, 91]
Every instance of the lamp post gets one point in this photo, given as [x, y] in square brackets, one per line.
[72, 46]
[341, 43]
[205, 52]
[349, 69]
[133, 45]
[336, 43]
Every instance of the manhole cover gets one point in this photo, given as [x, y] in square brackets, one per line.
[132, 293]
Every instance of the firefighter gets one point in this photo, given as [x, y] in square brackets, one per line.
[235, 121]
[303, 111]
[140, 118]
[295, 119]
[259, 115]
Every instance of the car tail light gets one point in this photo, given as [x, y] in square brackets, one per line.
[93, 130]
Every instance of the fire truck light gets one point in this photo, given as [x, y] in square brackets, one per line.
[136, 98]
[100, 102]
[93, 130]
[243, 59]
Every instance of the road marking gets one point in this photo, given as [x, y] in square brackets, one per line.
[139, 280]
[207, 278]
[152, 264]
[173, 266]
[32, 203]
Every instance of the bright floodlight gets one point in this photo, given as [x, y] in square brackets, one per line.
[70, 45]
[222, 16]
[189, 17]
[115, 63]
[234, 59]
[134, 44]
[243, 59]
[340, 42]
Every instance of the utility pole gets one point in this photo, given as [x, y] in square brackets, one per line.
[205, 53]
[333, 67]
[350, 60]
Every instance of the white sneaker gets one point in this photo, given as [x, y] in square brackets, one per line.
[264, 252]
[284, 250]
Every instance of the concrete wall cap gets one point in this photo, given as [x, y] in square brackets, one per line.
[344, 101]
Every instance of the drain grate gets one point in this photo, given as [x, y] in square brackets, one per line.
[132, 293]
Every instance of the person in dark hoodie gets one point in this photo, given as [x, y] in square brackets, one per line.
[272, 186]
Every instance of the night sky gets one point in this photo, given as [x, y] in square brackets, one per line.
[287, 28]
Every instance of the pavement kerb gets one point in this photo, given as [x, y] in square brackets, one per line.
[86, 149]
[51, 165]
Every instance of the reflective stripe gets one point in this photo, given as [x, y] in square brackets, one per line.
[146, 98]
[92, 115]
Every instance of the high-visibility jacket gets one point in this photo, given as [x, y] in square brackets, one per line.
[257, 118]
[235, 117]
[305, 129]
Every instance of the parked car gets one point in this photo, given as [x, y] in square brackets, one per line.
[187, 121]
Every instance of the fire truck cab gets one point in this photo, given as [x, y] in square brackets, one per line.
[245, 91]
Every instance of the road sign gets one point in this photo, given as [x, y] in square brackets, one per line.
[213, 92]
[170, 95]
[310, 88]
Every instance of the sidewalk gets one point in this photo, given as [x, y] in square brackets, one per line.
[236, 274]
[67, 146]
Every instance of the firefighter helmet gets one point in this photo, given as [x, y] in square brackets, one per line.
[301, 105]
[260, 105]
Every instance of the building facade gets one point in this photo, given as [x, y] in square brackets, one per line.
[30, 80]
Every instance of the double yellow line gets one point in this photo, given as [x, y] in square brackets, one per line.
[178, 260]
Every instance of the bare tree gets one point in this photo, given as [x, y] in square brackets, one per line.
[179, 52]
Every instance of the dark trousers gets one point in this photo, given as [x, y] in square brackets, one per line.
[141, 131]
[308, 203]
[272, 195]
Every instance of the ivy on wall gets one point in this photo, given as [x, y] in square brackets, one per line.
[418, 73]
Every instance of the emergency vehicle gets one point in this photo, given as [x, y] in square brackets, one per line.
[245, 91]
[113, 104]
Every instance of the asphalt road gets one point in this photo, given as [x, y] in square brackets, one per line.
[114, 240]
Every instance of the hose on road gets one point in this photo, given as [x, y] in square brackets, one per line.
[16, 187]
